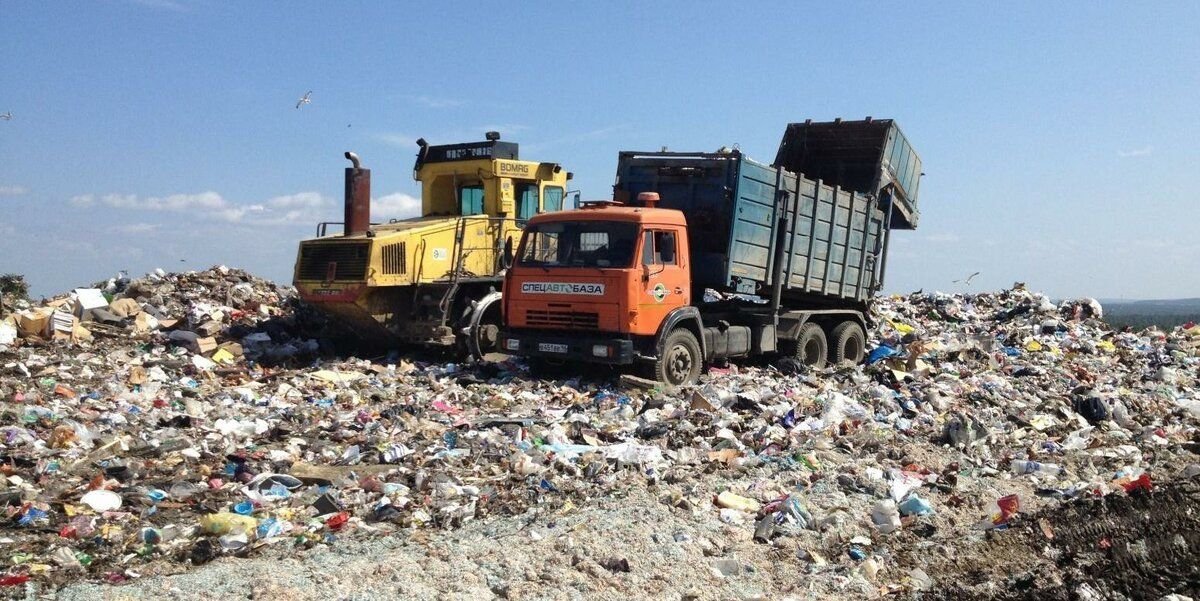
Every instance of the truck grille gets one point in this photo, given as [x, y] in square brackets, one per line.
[393, 259]
[349, 260]
[563, 319]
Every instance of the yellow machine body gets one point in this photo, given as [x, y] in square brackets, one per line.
[425, 280]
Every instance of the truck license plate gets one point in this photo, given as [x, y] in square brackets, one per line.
[547, 347]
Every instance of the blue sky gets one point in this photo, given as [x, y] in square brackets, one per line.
[1059, 139]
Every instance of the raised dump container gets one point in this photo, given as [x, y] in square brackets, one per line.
[833, 247]
[871, 156]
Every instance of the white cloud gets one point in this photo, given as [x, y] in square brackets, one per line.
[1136, 152]
[13, 190]
[303, 200]
[304, 207]
[395, 206]
[175, 202]
[136, 228]
[301, 207]
[234, 214]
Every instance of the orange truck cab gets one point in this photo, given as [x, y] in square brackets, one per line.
[596, 284]
[707, 256]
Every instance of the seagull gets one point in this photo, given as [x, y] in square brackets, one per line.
[967, 280]
[7, 116]
[306, 99]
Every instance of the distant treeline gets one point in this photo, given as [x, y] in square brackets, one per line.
[1143, 314]
[1141, 322]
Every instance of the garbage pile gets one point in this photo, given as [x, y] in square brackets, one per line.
[163, 422]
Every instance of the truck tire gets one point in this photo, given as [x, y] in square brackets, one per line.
[811, 347]
[849, 343]
[680, 360]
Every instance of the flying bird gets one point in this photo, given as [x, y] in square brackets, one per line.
[7, 116]
[967, 280]
[305, 99]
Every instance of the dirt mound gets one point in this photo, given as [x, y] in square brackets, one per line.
[1140, 546]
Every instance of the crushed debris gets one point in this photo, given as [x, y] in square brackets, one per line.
[156, 424]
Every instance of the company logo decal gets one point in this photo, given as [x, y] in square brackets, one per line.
[659, 292]
[514, 169]
[562, 288]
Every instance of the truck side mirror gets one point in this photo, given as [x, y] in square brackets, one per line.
[508, 252]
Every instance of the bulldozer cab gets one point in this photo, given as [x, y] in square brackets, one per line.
[486, 192]
[486, 178]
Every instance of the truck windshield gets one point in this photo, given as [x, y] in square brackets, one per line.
[579, 244]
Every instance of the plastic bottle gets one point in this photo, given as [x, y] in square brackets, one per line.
[1021, 466]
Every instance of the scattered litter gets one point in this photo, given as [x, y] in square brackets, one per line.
[201, 416]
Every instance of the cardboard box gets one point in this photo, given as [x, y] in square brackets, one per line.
[206, 345]
[34, 322]
[208, 328]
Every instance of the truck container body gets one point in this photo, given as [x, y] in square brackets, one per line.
[834, 238]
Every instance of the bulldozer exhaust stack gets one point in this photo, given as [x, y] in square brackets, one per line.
[358, 197]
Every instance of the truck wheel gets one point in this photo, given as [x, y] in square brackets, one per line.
[680, 359]
[849, 343]
[811, 347]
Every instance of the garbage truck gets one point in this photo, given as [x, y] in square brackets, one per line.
[432, 280]
[701, 257]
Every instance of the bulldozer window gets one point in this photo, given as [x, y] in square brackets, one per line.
[527, 200]
[552, 199]
[470, 200]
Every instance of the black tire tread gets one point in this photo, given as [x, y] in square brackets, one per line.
[840, 336]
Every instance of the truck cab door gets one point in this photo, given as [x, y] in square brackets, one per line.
[665, 277]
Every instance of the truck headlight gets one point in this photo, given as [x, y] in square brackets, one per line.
[512, 344]
[600, 350]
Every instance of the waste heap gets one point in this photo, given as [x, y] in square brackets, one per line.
[162, 422]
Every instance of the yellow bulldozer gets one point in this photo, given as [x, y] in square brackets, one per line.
[435, 279]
